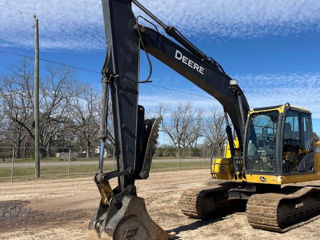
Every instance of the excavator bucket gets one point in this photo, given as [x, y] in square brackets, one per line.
[124, 215]
[132, 222]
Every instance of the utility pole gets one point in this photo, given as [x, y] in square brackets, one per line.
[36, 97]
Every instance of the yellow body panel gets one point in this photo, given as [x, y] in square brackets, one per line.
[272, 179]
[227, 152]
[222, 168]
[267, 179]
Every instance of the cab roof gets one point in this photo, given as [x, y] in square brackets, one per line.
[279, 108]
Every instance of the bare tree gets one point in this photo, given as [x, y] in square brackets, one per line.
[3, 120]
[214, 131]
[56, 91]
[16, 95]
[182, 125]
[85, 115]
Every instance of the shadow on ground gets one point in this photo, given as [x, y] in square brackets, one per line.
[203, 222]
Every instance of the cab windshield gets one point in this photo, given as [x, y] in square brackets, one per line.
[261, 141]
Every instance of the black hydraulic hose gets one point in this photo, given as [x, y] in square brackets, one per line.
[139, 5]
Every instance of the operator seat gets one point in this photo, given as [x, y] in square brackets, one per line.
[306, 163]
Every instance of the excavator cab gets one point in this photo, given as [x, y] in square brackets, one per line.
[279, 141]
[278, 148]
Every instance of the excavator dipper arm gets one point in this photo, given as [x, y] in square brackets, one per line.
[121, 214]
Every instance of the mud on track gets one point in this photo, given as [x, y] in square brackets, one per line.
[61, 209]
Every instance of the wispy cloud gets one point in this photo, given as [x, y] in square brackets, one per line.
[78, 24]
[240, 18]
[302, 90]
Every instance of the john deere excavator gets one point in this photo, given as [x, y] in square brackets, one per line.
[268, 148]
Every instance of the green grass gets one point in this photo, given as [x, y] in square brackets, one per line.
[54, 159]
[95, 158]
[85, 170]
[156, 166]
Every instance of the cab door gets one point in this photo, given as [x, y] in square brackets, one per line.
[297, 148]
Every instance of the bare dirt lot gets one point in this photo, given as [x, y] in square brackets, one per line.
[62, 209]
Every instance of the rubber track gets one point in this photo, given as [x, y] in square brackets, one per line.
[281, 212]
[201, 203]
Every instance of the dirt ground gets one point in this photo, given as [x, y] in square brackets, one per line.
[62, 208]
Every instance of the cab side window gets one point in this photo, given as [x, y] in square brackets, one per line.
[291, 135]
[306, 136]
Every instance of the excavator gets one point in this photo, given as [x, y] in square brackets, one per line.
[268, 149]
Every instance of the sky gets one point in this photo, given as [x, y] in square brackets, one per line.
[271, 47]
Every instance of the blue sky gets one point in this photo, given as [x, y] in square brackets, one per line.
[271, 47]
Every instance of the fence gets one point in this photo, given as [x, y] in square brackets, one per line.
[18, 163]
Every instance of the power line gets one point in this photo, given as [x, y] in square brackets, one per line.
[72, 66]
[176, 90]
[50, 61]
[97, 72]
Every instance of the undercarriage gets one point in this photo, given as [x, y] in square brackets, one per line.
[268, 207]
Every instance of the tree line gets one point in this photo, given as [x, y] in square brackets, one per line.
[69, 116]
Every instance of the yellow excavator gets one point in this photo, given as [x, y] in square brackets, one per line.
[266, 148]
[279, 149]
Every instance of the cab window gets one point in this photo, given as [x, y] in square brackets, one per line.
[261, 141]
